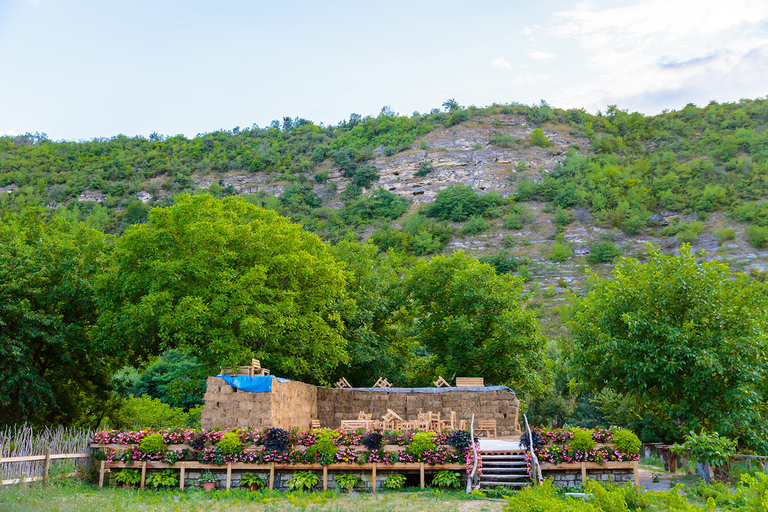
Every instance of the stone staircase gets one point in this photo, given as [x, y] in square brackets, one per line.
[506, 468]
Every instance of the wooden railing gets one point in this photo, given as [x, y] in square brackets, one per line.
[535, 466]
[48, 457]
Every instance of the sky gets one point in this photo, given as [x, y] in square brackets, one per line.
[83, 69]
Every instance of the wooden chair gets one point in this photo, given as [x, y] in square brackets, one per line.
[487, 426]
[315, 425]
[361, 416]
[391, 420]
[257, 370]
[469, 382]
[352, 425]
[451, 424]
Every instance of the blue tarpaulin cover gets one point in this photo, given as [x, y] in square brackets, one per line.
[252, 384]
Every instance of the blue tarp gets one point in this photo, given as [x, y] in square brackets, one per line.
[252, 384]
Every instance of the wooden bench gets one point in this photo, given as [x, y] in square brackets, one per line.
[469, 382]
[487, 426]
[315, 425]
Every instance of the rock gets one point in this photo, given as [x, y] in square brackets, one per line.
[144, 196]
[92, 195]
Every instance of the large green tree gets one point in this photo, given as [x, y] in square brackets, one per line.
[473, 322]
[51, 371]
[687, 340]
[226, 280]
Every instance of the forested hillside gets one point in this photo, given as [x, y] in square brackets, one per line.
[141, 252]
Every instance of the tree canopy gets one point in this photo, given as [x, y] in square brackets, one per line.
[474, 322]
[687, 340]
[50, 368]
[227, 280]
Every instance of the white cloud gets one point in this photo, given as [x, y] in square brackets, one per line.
[12, 133]
[501, 63]
[657, 46]
[541, 55]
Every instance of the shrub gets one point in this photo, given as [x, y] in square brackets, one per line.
[560, 252]
[325, 445]
[518, 217]
[394, 481]
[582, 440]
[303, 480]
[707, 447]
[347, 482]
[603, 252]
[626, 442]
[230, 444]
[373, 441]
[128, 476]
[376, 204]
[526, 189]
[424, 169]
[502, 261]
[461, 202]
[207, 476]
[474, 226]
[421, 442]
[725, 234]
[562, 218]
[538, 138]
[757, 236]
[504, 141]
[166, 478]
[447, 479]
[153, 443]
[277, 440]
[145, 411]
[460, 439]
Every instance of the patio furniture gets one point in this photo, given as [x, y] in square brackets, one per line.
[487, 426]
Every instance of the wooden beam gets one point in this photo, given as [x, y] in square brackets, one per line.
[421, 474]
[373, 478]
[636, 471]
[182, 470]
[325, 478]
[229, 475]
[47, 465]
[101, 473]
[143, 474]
[271, 475]
[583, 473]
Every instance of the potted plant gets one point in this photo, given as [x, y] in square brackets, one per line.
[128, 477]
[208, 481]
[252, 481]
[447, 479]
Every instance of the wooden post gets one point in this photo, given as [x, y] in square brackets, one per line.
[48, 464]
[583, 473]
[373, 478]
[229, 475]
[143, 474]
[101, 473]
[636, 471]
[325, 478]
[421, 474]
[271, 475]
[181, 476]
[672, 463]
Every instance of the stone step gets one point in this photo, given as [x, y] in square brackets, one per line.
[504, 477]
[502, 457]
[511, 470]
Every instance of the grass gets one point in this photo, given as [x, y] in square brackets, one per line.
[73, 496]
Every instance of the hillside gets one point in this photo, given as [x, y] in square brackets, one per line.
[561, 183]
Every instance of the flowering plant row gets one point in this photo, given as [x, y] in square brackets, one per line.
[558, 454]
[275, 445]
[563, 435]
[201, 438]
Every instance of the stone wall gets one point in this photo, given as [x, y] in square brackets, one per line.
[294, 404]
[569, 478]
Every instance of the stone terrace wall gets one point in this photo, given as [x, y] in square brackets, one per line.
[290, 404]
[334, 405]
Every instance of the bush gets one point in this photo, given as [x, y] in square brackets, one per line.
[424, 169]
[538, 138]
[474, 226]
[502, 261]
[562, 218]
[394, 481]
[504, 141]
[757, 236]
[560, 252]
[303, 480]
[277, 440]
[707, 447]
[626, 441]
[148, 412]
[166, 478]
[460, 439]
[603, 252]
[153, 443]
[518, 217]
[447, 479]
[725, 234]
[230, 444]
[252, 479]
[421, 442]
[128, 476]
[461, 202]
[582, 440]
[376, 204]
[346, 482]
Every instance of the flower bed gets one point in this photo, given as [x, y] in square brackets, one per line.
[324, 447]
[562, 448]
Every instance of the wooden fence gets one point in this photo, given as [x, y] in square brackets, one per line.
[26, 454]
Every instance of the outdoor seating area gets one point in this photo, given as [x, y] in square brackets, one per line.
[425, 422]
